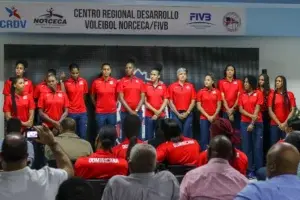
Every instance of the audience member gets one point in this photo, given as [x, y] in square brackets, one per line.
[283, 183]
[19, 182]
[178, 150]
[76, 189]
[292, 138]
[239, 160]
[159, 134]
[14, 125]
[131, 128]
[217, 179]
[142, 183]
[72, 144]
[102, 164]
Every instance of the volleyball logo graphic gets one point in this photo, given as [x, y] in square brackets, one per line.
[232, 21]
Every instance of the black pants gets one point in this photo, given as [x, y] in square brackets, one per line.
[266, 133]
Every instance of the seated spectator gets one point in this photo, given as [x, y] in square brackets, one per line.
[142, 183]
[131, 128]
[19, 182]
[292, 138]
[283, 184]
[159, 134]
[76, 189]
[217, 179]
[14, 125]
[178, 150]
[72, 144]
[102, 164]
[239, 160]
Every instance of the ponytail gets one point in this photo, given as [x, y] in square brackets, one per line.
[107, 144]
[132, 142]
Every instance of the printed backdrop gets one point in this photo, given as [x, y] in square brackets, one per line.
[197, 60]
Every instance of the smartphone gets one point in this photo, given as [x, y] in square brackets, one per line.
[32, 134]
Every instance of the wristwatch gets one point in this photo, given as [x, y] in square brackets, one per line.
[136, 110]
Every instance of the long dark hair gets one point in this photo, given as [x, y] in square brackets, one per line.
[13, 94]
[171, 130]
[107, 136]
[230, 65]
[287, 102]
[266, 87]
[131, 127]
[252, 80]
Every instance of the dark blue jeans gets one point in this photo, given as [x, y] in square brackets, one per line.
[185, 125]
[237, 119]
[204, 133]
[150, 126]
[123, 115]
[252, 145]
[276, 134]
[106, 119]
[81, 123]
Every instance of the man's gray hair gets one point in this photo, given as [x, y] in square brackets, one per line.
[142, 158]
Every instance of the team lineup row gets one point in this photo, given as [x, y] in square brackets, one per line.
[244, 103]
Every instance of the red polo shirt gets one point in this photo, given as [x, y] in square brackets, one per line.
[249, 102]
[264, 107]
[280, 110]
[76, 90]
[100, 165]
[240, 163]
[209, 100]
[53, 104]
[230, 90]
[121, 149]
[43, 88]
[155, 97]
[24, 103]
[28, 87]
[131, 87]
[106, 94]
[186, 152]
[182, 95]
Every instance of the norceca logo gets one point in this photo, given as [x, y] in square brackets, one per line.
[50, 20]
[14, 20]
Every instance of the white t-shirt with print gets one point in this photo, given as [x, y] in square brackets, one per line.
[28, 184]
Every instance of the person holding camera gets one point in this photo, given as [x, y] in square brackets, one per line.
[18, 182]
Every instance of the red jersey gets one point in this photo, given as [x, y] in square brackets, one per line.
[131, 87]
[209, 100]
[100, 165]
[28, 87]
[24, 104]
[155, 97]
[106, 94]
[280, 110]
[76, 90]
[249, 102]
[182, 95]
[230, 90]
[121, 149]
[185, 152]
[53, 104]
[43, 88]
[240, 163]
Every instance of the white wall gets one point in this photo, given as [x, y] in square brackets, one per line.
[277, 55]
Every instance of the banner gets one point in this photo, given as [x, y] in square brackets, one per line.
[79, 18]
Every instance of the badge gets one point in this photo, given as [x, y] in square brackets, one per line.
[25, 97]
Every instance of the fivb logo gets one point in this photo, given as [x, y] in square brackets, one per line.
[200, 20]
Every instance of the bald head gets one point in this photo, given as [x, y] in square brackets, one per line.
[142, 158]
[220, 147]
[14, 148]
[282, 158]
